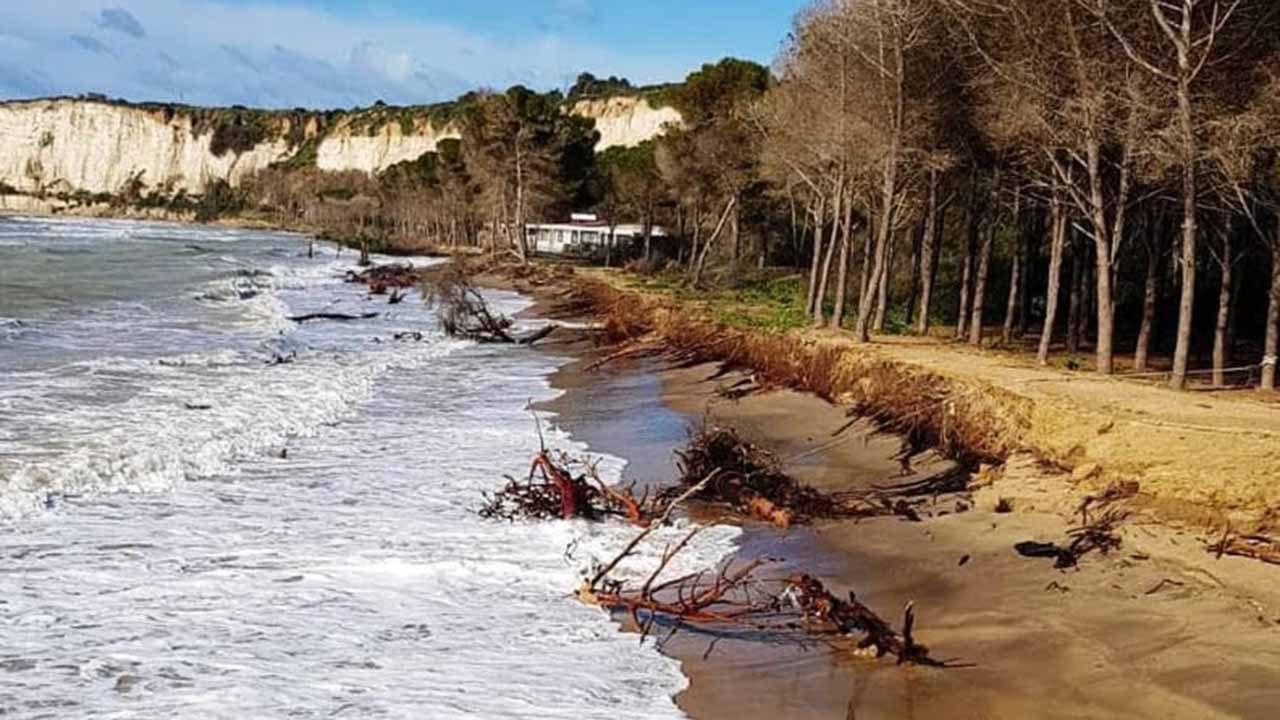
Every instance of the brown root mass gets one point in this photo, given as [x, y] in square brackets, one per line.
[751, 481]
[552, 491]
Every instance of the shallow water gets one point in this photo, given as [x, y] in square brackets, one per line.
[190, 530]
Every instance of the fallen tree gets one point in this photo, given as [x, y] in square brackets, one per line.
[733, 595]
[561, 487]
[463, 311]
[750, 480]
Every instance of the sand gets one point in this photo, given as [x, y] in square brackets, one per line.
[1160, 628]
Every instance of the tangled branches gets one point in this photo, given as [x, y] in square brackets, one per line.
[734, 596]
[849, 617]
[552, 492]
[751, 481]
[463, 312]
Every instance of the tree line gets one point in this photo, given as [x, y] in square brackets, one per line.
[1057, 175]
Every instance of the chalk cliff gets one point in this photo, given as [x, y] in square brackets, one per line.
[95, 146]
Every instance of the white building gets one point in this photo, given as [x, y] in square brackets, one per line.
[588, 236]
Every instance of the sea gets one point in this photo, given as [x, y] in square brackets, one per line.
[209, 510]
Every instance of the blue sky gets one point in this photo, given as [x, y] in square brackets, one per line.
[342, 53]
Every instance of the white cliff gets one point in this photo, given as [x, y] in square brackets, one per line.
[345, 150]
[625, 121]
[69, 146]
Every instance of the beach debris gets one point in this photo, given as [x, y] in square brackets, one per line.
[553, 492]
[463, 312]
[1163, 584]
[381, 278]
[1100, 535]
[1256, 547]
[850, 617]
[336, 317]
[751, 481]
[734, 595]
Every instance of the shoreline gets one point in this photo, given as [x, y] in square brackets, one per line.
[1158, 628]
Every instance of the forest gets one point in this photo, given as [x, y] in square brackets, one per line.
[1092, 178]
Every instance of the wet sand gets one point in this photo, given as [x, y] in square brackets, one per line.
[1159, 628]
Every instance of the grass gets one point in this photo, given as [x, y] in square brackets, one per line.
[763, 301]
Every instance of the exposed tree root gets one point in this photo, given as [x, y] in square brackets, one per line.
[551, 491]
[751, 481]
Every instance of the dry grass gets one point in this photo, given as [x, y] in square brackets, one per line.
[972, 422]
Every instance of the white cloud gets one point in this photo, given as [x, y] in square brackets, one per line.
[272, 53]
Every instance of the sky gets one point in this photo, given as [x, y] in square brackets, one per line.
[347, 53]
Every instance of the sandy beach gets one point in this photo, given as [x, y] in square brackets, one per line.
[1160, 628]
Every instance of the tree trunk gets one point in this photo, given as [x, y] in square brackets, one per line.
[819, 220]
[1150, 297]
[820, 311]
[521, 239]
[1271, 345]
[980, 284]
[1057, 244]
[917, 247]
[1220, 349]
[706, 247]
[842, 273]
[1186, 305]
[1015, 282]
[1075, 310]
[1103, 303]
[864, 274]
[929, 254]
[735, 228]
[966, 275]
[882, 296]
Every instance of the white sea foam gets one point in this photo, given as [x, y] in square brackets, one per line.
[187, 569]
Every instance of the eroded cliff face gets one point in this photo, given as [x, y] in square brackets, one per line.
[345, 149]
[625, 121]
[70, 146]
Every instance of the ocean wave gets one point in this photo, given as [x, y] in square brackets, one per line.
[197, 424]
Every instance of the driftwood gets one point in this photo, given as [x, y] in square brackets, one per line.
[337, 317]
[1256, 547]
[850, 617]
